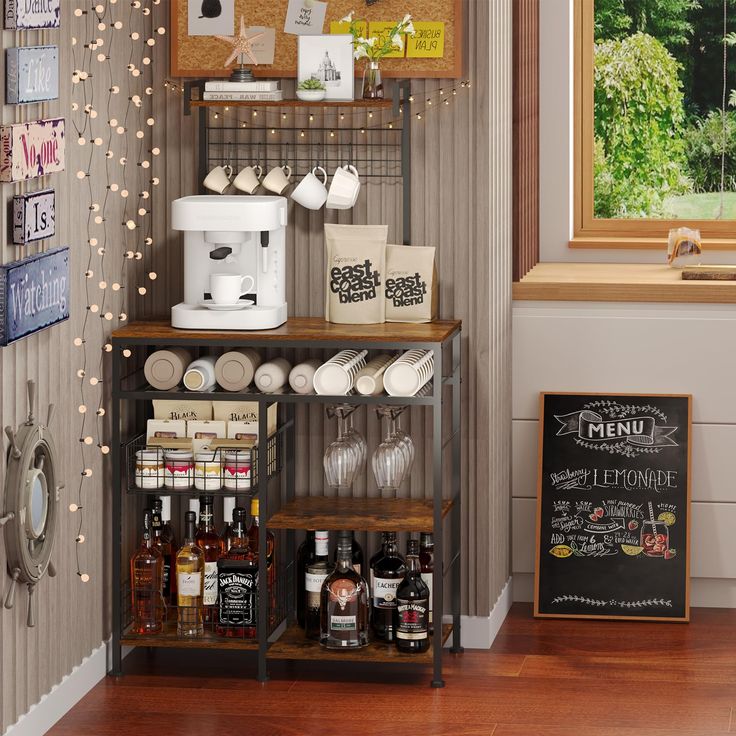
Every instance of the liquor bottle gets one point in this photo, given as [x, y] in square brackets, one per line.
[237, 584]
[372, 562]
[146, 573]
[254, 544]
[165, 549]
[228, 506]
[388, 572]
[357, 556]
[210, 542]
[189, 581]
[412, 597]
[426, 563]
[344, 605]
[303, 555]
[317, 571]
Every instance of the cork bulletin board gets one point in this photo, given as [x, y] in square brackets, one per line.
[204, 56]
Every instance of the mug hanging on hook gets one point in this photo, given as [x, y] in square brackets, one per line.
[249, 179]
[278, 179]
[218, 180]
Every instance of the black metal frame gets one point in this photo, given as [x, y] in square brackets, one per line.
[447, 352]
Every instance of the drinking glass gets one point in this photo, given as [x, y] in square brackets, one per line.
[403, 439]
[390, 460]
[342, 457]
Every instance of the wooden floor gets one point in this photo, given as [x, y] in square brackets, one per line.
[541, 678]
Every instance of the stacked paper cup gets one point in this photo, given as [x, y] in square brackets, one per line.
[409, 373]
[337, 376]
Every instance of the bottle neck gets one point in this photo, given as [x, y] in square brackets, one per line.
[321, 546]
[189, 533]
[206, 518]
[344, 558]
[412, 565]
[147, 539]
[390, 548]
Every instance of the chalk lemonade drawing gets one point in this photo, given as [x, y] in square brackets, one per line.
[613, 506]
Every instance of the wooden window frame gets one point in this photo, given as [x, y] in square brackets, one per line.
[591, 232]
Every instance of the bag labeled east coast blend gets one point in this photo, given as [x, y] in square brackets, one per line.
[355, 257]
[411, 284]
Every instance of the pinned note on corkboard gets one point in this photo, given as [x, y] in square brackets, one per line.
[436, 54]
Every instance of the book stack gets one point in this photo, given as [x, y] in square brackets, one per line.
[257, 91]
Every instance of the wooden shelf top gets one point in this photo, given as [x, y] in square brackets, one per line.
[168, 639]
[364, 514]
[296, 329]
[618, 282]
[292, 644]
[356, 104]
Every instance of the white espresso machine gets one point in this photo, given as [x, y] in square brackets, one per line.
[238, 235]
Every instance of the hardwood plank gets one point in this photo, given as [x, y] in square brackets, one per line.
[365, 514]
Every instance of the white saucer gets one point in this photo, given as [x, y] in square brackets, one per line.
[242, 304]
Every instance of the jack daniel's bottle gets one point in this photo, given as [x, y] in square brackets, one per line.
[237, 582]
[344, 608]
[412, 606]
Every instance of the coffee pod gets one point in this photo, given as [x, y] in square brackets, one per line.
[301, 378]
[236, 369]
[165, 369]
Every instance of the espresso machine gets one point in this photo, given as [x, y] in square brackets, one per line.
[232, 235]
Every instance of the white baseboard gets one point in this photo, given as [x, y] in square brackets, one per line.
[478, 632]
[55, 704]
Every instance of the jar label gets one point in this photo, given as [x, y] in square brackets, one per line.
[189, 584]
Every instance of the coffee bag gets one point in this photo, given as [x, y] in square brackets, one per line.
[411, 287]
[355, 257]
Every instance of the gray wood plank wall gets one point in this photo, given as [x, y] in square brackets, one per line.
[461, 203]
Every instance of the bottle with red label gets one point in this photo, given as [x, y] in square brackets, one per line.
[412, 606]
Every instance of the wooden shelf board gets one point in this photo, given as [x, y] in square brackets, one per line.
[292, 644]
[168, 639]
[296, 329]
[356, 104]
[618, 282]
[364, 514]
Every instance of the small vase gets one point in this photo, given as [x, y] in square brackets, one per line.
[372, 82]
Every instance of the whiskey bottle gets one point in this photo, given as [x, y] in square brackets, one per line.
[228, 506]
[357, 556]
[164, 549]
[388, 573]
[146, 573]
[237, 582]
[412, 609]
[303, 556]
[168, 537]
[253, 543]
[318, 569]
[189, 582]
[210, 542]
[344, 605]
[426, 563]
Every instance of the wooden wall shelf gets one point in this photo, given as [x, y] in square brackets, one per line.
[355, 104]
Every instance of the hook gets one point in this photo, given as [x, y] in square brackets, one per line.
[286, 160]
[258, 154]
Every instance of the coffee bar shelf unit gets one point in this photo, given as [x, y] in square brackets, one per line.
[374, 135]
[282, 510]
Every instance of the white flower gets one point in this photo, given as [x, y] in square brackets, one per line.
[409, 29]
[360, 53]
[397, 41]
[407, 19]
[348, 18]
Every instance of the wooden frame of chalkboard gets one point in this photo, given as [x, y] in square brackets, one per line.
[613, 487]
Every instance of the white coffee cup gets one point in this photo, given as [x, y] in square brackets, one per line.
[278, 179]
[227, 288]
[311, 192]
[218, 180]
[344, 189]
[249, 179]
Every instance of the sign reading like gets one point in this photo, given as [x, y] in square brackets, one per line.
[34, 294]
[30, 150]
[32, 74]
[34, 216]
[23, 15]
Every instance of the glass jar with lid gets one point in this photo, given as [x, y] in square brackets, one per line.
[236, 470]
[207, 471]
[178, 469]
[149, 469]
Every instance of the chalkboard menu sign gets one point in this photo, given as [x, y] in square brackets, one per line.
[613, 507]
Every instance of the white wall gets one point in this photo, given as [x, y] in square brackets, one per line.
[634, 348]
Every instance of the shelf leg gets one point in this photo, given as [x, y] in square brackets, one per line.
[456, 493]
[117, 525]
[437, 483]
[264, 591]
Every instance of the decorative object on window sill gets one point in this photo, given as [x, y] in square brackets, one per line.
[684, 247]
[30, 509]
[242, 45]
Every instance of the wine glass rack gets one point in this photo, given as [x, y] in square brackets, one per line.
[282, 512]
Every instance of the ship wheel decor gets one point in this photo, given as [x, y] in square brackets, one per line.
[30, 509]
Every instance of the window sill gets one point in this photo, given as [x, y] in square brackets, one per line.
[619, 282]
[642, 243]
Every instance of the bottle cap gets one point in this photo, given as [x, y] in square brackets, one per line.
[190, 516]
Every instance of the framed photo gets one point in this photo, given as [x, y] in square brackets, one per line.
[328, 58]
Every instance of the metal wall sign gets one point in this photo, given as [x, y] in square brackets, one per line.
[32, 74]
[30, 150]
[22, 15]
[34, 294]
[34, 216]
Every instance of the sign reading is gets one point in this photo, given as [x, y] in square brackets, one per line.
[34, 216]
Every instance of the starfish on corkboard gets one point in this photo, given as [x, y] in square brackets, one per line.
[242, 44]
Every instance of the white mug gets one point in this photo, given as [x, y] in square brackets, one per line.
[344, 189]
[227, 288]
[277, 179]
[218, 180]
[311, 192]
[249, 179]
